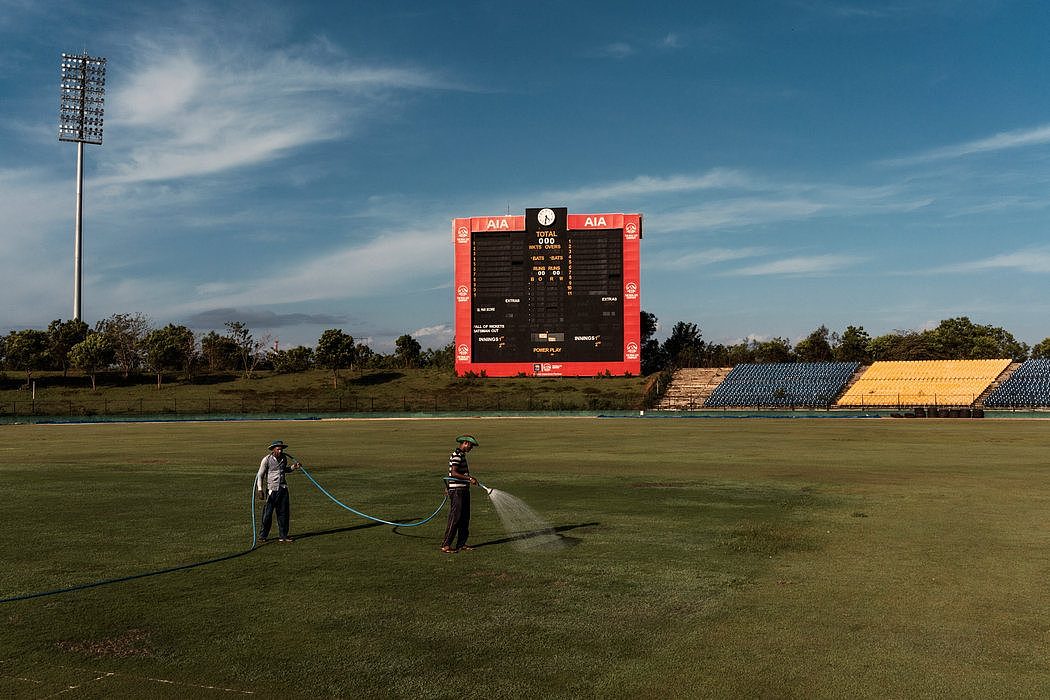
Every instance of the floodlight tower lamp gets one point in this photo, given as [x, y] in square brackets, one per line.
[80, 119]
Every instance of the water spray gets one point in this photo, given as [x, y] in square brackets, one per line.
[526, 528]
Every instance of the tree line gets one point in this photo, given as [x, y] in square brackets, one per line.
[130, 344]
[952, 339]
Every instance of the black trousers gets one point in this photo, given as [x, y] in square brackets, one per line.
[458, 517]
[278, 500]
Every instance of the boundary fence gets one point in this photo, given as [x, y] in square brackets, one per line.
[304, 404]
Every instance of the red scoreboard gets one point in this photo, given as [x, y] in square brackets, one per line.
[548, 294]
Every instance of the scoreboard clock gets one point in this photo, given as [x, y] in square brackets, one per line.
[548, 294]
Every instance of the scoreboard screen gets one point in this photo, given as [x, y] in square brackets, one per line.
[547, 294]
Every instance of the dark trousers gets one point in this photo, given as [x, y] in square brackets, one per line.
[458, 517]
[278, 500]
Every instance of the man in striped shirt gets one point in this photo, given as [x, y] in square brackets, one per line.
[457, 485]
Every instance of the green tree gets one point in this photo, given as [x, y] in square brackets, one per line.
[717, 355]
[335, 351]
[902, 345]
[443, 358]
[125, 333]
[170, 349]
[250, 349]
[773, 350]
[366, 356]
[815, 347]
[219, 352]
[91, 354]
[1041, 350]
[297, 359]
[985, 348]
[26, 351]
[684, 347]
[407, 351]
[653, 359]
[740, 354]
[61, 337]
[962, 339]
[852, 346]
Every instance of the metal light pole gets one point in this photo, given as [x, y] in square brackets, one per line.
[80, 117]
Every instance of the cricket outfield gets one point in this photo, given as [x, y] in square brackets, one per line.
[702, 558]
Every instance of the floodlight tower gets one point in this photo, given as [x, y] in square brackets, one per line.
[80, 120]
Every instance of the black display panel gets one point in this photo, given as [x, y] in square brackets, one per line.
[547, 294]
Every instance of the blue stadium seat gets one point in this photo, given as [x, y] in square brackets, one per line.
[1028, 387]
[782, 384]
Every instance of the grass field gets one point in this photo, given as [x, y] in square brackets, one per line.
[703, 558]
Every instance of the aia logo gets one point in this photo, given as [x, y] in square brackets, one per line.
[462, 235]
[631, 228]
[463, 351]
[632, 347]
[631, 288]
[462, 293]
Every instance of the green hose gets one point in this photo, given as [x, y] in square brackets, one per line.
[364, 515]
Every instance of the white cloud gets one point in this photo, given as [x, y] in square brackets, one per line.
[434, 336]
[392, 260]
[735, 198]
[801, 265]
[38, 264]
[1034, 260]
[673, 41]
[644, 185]
[192, 111]
[619, 49]
[743, 211]
[1038, 136]
[677, 260]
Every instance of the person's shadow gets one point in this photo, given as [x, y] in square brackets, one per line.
[537, 536]
[560, 542]
[335, 531]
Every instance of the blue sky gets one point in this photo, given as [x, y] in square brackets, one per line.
[296, 165]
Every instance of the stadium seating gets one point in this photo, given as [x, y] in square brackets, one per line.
[923, 383]
[782, 384]
[1028, 387]
[690, 388]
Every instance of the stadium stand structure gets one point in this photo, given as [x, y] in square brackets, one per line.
[1027, 387]
[923, 383]
[782, 384]
[690, 387]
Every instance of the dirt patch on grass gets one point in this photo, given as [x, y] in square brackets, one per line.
[133, 642]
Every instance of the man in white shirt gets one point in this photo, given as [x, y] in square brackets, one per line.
[270, 484]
